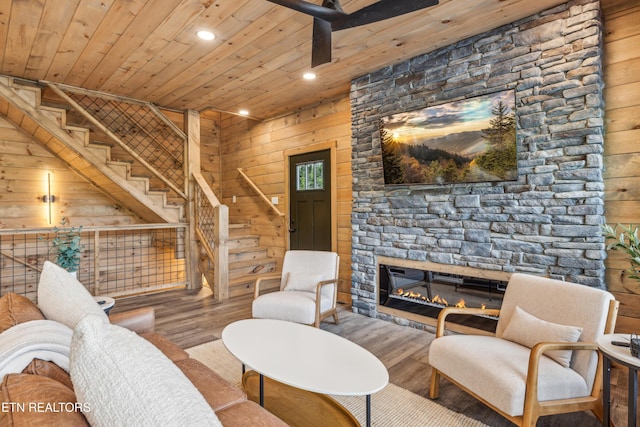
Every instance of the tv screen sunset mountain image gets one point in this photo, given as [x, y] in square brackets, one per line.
[470, 140]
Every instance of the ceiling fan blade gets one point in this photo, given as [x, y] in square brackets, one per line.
[384, 9]
[321, 47]
[325, 13]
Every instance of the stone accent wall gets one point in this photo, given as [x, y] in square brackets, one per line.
[546, 223]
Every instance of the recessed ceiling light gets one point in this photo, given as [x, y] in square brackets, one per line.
[309, 76]
[206, 35]
[243, 112]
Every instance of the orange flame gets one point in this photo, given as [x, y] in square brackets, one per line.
[436, 300]
[461, 304]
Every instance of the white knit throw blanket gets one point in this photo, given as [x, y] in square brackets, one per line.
[42, 339]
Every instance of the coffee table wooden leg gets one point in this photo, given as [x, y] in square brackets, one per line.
[262, 390]
[368, 410]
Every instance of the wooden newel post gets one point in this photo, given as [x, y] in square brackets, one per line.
[192, 165]
[221, 252]
[194, 275]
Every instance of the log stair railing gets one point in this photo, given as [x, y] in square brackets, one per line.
[260, 193]
[212, 227]
[150, 139]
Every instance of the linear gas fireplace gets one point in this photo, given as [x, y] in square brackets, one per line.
[423, 289]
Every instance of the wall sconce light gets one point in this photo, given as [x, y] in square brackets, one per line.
[49, 198]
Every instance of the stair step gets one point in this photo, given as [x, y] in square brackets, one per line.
[251, 268]
[248, 241]
[239, 229]
[105, 149]
[247, 254]
[121, 168]
[103, 143]
[247, 260]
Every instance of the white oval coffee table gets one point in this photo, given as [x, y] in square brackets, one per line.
[305, 357]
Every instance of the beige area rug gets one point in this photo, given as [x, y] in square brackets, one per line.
[391, 407]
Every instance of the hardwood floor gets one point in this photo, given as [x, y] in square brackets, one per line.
[192, 318]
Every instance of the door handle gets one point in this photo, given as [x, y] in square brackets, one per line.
[292, 230]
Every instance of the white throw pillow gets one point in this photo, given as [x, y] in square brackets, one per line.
[302, 281]
[63, 299]
[124, 380]
[525, 329]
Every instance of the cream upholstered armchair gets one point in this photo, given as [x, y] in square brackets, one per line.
[308, 289]
[543, 358]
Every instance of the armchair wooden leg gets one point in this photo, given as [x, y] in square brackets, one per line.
[529, 420]
[434, 391]
[335, 318]
[598, 411]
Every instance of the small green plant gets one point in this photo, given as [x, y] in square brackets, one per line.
[66, 244]
[625, 239]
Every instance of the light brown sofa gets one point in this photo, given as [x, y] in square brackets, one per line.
[24, 396]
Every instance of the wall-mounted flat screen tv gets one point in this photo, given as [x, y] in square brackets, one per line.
[470, 140]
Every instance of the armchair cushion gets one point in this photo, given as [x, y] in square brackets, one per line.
[302, 270]
[527, 330]
[299, 281]
[496, 369]
[293, 306]
[555, 301]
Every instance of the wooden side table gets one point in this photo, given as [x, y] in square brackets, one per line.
[621, 355]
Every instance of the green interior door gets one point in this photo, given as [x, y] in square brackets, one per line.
[310, 196]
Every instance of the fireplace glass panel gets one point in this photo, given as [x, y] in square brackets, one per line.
[426, 292]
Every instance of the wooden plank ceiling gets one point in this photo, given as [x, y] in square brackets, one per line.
[148, 49]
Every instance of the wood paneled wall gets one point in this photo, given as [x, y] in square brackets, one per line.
[259, 149]
[622, 143]
[24, 165]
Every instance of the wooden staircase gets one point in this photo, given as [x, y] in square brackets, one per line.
[22, 105]
[120, 156]
[247, 260]
[90, 152]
